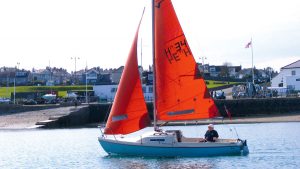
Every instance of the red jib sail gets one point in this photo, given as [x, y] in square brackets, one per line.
[129, 112]
[181, 92]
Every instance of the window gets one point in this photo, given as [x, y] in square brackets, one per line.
[212, 69]
[291, 87]
[293, 72]
[150, 77]
[150, 89]
[113, 90]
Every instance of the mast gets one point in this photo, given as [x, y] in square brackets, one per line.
[153, 66]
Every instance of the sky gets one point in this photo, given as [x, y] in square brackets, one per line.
[39, 33]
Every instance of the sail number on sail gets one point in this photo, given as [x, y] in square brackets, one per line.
[177, 48]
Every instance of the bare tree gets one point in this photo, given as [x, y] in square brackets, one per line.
[225, 70]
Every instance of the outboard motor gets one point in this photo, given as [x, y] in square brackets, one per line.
[245, 150]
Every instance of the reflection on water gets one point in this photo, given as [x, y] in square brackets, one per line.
[272, 145]
[159, 163]
[190, 164]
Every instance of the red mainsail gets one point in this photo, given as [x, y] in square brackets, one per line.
[129, 112]
[181, 92]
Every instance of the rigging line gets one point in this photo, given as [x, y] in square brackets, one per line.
[107, 112]
[230, 129]
[236, 133]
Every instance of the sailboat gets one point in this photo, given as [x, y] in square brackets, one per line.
[179, 93]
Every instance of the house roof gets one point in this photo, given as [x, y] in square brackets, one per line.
[93, 70]
[292, 65]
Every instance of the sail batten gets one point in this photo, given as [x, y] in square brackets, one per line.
[181, 90]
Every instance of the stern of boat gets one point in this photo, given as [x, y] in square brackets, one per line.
[244, 149]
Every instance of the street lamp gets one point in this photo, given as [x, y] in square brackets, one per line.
[18, 63]
[75, 59]
[202, 58]
[86, 92]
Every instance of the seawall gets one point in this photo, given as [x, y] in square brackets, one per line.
[98, 113]
[237, 108]
[77, 117]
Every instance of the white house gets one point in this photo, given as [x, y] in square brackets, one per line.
[289, 77]
[108, 92]
[92, 76]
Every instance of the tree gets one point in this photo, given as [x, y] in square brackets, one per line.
[225, 70]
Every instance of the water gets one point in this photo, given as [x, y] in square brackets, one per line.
[271, 145]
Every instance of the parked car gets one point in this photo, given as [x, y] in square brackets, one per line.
[220, 95]
[30, 102]
[242, 95]
[4, 101]
[51, 101]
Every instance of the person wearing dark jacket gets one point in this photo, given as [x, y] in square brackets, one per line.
[211, 135]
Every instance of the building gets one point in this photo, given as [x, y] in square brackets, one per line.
[9, 76]
[78, 77]
[288, 77]
[90, 77]
[50, 76]
[245, 73]
[60, 76]
[204, 69]
[116, 75]
[106, 93]
[147, 77]
[94, 77]
[22, 77]
[41, 76]
[223, 71]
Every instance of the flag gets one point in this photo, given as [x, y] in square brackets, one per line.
[248, 44]
[228, 112]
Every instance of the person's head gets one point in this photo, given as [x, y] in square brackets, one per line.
[210, 127]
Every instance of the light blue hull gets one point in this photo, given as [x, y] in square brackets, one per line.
[120, 148]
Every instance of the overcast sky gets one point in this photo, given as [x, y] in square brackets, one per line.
[100, 32]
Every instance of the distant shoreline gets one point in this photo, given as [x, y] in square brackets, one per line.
[25, 120]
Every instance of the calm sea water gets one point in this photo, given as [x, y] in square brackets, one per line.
[271, 145]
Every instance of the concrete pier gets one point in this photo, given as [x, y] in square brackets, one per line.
[53, 117]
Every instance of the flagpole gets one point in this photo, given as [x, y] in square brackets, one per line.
[252, 61]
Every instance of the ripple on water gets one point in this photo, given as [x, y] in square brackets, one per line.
[271, 145]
